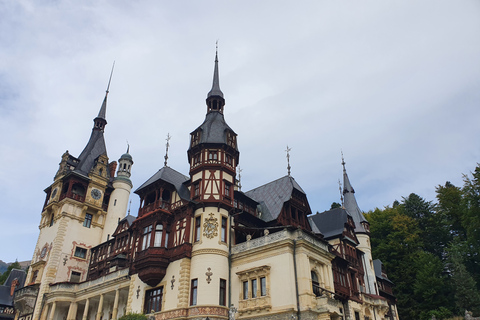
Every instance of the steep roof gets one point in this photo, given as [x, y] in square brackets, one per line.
[350, 203]
[172, 177]
[95, 147]
[214, 128]
[330, 223]
[273, 195]
[377, 266]
[5, 297]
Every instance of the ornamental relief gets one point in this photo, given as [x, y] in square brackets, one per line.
[210, 227]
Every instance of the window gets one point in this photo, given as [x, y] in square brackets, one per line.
[196, 190]
[198, 222]
[315, 284]
[254, 288]
[227, 189]
[228, 159]
[80, 253]
[88, 220]
[245, 290]
[263, 286]
[166, 239]
[75, 277]
[147, 233]
[213, 155]
[52, 220]
[224, 229]
[34, 276]
[158, 235]
[223, 295]
[193, 292]
[153, 300]
[357, 315]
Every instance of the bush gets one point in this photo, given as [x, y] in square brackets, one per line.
[133, 316]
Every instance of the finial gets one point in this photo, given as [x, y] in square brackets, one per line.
[288, 159]
[109, 80]
[129, 207]
[167, 145]
[239, 178]
[343, 161]
[341, 193]
[128, 147]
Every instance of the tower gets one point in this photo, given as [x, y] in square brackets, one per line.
[213, 156]
[74, 214]
[362, 231]
[118, 202]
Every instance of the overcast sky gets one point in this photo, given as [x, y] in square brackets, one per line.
[394, 84]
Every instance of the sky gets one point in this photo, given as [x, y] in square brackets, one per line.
[392, 84]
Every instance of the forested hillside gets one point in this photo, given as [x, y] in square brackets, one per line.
[431, 250]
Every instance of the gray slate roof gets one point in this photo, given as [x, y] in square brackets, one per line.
[377, 266]
[350, 204]
[5, 297]
[171, 176]
[330, 223]
[129, 218]
[214, 129]
[273, 195]
[94, 148]
[216, 82]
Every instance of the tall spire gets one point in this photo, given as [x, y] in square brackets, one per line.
[288, 159]
[350, 203]
[101, 120]
[166, 151]
[215, 100]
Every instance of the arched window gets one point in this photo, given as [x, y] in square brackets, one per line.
[158, 235]
[315, 284]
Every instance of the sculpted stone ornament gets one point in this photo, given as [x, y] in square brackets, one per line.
[210, 227]
[209, 273]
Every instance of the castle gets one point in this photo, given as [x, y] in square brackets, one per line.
[199, 247]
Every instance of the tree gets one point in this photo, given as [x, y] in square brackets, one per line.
[5, 275]
[335, 205]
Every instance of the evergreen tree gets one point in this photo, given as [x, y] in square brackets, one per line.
[5, 275]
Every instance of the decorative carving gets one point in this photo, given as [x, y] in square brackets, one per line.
[209, 273]
[231, 312]
[210, 227]
[172, 281]
[138, 292]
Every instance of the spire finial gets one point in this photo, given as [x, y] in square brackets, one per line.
[167, 145]
[239, 179]
[343, 161]
[129, 207]
[288, 159]
[341, 193]
[128, 147]
[110, 79]
[215, 92]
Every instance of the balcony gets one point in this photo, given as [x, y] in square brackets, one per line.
[25, 299]
[159, 204]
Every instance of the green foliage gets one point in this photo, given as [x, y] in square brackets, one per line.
[133, 316]
[431, 251]
[335, 205]
[5, 275]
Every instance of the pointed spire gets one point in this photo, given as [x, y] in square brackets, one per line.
[350, 203]
[100, 121]
[215, 100]
[216, 80]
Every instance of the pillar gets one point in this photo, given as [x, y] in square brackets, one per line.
[85, 311]
[44, 314]
[115, 305]
[52, 312]
[72, 311]
[100, 308]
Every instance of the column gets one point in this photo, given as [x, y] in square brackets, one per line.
[72, 311]
[52, 312]
[100, 308]
[115, 305]
[85, 311]
[44, 314]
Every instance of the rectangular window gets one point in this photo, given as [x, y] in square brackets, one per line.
[153, 300]
[158, 235]
[263, 286]
[223, 295]
[75, 277]
[254, 288]
[80, 253]
[245, 290]
[224, 229]
[196, 190]
[147, 233]
[193, 292]
[227, 189]
[198, 222]
[88, 220]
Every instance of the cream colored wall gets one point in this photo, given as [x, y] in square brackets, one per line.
[370, 279]
[117, 207]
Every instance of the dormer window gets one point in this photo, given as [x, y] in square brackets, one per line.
[212, 155]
